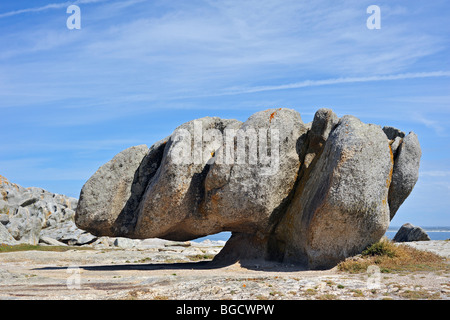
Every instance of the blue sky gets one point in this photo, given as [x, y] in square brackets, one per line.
[72, 99]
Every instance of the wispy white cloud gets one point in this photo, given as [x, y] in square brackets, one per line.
[77, 146]
[185, 50]
[436, 173]
[433, 123]
[333, 81]
[259, 37]
[47, 7]
[36, 9]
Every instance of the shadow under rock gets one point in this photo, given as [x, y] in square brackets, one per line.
[200, 265]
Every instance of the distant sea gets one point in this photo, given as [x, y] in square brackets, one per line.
[435, 233]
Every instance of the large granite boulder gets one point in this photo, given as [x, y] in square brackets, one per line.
[306, 194]
[246, 194]
[107, 196]
[340, 206]
[171, 207]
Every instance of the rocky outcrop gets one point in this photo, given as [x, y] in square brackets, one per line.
[310, 194]
[408, 233]
[27, 214]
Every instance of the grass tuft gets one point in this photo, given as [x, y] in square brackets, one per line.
[382, 248]
[201, 257]
[391, 257]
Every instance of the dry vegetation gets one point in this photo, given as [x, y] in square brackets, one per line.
[391, 257]
[28, 247]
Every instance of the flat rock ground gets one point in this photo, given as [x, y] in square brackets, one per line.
[168, 273]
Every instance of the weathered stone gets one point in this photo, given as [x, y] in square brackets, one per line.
[105, 195]
[123, 243]
[151, 243]
[244, 248]
[177, 244]
[325, 120]
[395, 145]
[342, 206]
[340, 201]
[193, 251]
[4, 208]
[25, 226]
[6, 237]
[51, 241]
[244, 196]
[28, 211]
[393, 133]
[170, 207]
[408, 233]
[4, 219]
[405, 173]
[103, 242]
[85, 238]
[305, 194]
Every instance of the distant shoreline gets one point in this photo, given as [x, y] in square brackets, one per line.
[427, 229]
[435, 233]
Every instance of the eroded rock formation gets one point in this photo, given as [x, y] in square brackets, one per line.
[310, 194]
[27, 214]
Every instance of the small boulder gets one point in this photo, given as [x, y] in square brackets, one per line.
[408, 233]
[124, 243]
[85, 238]
[50, 241]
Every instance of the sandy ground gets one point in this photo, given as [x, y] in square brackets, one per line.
[153, 274]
